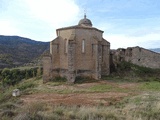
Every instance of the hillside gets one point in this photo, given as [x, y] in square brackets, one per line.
[16, 51]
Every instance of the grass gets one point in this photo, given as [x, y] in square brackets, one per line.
[106, 88]
[150, 86]
[66, 112]
[6, 95]
[25, 67]
[127, 110]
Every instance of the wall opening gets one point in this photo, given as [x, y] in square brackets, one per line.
[83, 46]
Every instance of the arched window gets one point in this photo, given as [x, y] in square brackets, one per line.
[83, 46]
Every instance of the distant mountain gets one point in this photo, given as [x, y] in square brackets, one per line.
[156, 50]
[16, 51]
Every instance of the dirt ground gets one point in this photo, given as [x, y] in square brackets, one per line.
[105, 98]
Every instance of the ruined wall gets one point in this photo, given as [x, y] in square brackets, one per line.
[143, 57]
[138, 56]
[105, 57]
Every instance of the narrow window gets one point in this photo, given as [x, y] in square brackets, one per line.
[83, 46]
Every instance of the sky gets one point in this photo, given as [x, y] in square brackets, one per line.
[126, 23]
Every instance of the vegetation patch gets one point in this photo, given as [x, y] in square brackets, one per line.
[151, 86]
[106, 88]
[80, 80]
[59, 79]
[66, 113]
[10, 77]
[26, 85]
[134, 72]
[5, 96]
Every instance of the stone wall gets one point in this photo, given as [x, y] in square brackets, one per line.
[71, 59]
[105, 58]
[137, 55]
[47, 68]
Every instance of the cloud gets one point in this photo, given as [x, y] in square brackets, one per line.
[144, 32]
[37, 19]
[124, 41]
[7, 28]
[56, 13]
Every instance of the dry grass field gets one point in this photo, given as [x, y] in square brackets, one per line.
[106, 99]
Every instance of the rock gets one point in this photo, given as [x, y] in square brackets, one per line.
[16, 92]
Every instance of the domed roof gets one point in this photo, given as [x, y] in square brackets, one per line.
[85, 22]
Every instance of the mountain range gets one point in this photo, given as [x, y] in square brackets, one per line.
[156, 50]
[17, 51]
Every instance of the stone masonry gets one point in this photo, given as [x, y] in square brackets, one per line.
[136, 55]
[78, 50]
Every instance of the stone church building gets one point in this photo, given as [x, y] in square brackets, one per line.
[78, 50]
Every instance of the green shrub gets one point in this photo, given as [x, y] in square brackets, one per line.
[14, 76]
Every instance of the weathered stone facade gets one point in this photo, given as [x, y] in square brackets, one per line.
[136, 55]
[78, 50]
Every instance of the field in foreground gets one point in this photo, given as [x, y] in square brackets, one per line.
[98, 100]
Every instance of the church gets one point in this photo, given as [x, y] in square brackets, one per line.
[78, 50]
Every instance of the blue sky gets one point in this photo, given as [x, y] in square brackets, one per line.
[125, 23]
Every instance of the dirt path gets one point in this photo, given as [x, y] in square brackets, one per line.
[76, 99]
[105, 98]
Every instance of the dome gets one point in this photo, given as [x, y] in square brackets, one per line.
[85, 22]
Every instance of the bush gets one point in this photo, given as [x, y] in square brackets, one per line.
[13, 76]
